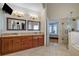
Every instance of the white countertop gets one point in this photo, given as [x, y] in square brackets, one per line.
[19, 34]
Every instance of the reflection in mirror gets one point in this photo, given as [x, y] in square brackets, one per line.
[16, 24]
[33, 25]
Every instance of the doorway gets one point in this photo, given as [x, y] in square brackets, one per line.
[53, 32]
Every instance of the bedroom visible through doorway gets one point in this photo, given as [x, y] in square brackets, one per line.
[53, 32]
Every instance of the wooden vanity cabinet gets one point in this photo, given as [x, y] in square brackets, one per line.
[35, 41]
[26, 42]
[17, 43]
[23, 43]
[29, 42]
[38, 40]
[0, 46]
[41, 40]
[7, 44]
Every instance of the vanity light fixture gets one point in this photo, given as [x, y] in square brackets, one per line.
[18, 13]
[32, 16]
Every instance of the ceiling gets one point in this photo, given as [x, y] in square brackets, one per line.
[37, 7]
[32, 6]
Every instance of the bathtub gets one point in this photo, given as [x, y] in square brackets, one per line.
[73, 39]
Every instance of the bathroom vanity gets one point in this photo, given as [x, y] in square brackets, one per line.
[14, 43]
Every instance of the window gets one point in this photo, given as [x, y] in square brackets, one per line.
[50, 28]
[53, 28]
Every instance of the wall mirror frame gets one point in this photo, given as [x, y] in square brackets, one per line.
[33, 25]
[16, 24]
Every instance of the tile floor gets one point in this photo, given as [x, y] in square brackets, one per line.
[52, 50]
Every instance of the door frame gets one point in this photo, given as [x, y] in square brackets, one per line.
[47, 32]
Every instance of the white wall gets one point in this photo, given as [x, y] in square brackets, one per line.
[43, 26]
[2, 22]
[60, 10]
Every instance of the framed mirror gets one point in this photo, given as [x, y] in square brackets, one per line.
[33, 26]
[16, 24]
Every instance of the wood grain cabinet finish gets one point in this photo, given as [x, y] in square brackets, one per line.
[41, 40]
[35, 41]
[0, 46]
[38, 40]
[7, 44]
[17, 43]
[24, 43]
[29, 42]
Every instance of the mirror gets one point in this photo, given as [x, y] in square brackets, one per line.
[33, 25]
[16, 24]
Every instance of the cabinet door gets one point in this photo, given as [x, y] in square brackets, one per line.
[7, 45]
[0, 46]
[41, 40]
[10, 48]
[35, 41]
[24, 43]
[29, 41]
[16, 44]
